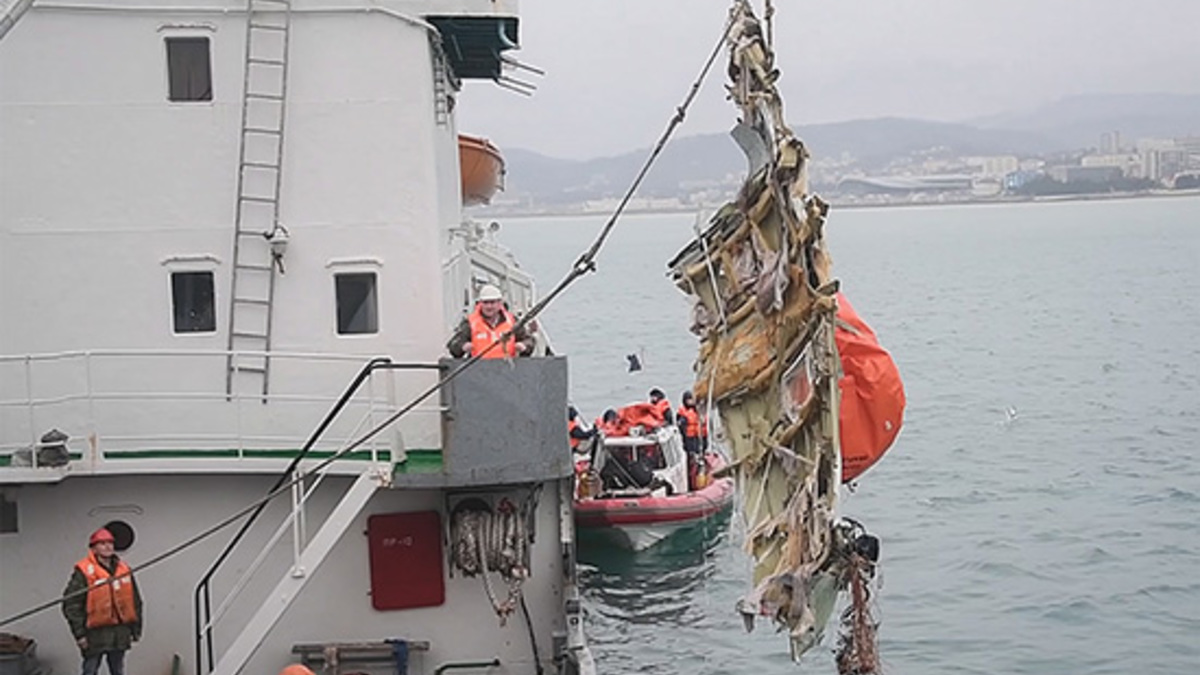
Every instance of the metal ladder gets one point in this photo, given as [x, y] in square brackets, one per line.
[259, 238]
[441, 83]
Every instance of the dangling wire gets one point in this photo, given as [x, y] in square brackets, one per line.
[712, 273]
[587, 260]
[768, 15]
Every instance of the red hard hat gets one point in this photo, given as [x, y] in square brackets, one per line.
[100, 535]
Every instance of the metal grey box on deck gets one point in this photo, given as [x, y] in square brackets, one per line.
[506, 422]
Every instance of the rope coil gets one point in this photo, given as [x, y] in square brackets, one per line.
[483, 541]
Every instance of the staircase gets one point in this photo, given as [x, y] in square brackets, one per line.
[309, 556]
[259, 238]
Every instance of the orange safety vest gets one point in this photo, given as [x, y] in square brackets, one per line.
[483, 335]
[606, 428]
[691, 428]
[661, 408]
[572, 425]
[110, 604]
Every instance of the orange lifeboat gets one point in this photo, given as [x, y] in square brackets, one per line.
[482, 168]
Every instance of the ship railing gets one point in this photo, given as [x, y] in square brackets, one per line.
[293, 522]
[118, 407]
[205, 616]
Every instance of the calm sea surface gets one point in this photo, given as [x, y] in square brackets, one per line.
[1062, 539]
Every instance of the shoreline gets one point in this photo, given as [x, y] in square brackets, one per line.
[1049, 199]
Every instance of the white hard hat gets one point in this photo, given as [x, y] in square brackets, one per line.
[489, 292]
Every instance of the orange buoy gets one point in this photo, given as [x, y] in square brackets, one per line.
[296, 669]
[873, 400]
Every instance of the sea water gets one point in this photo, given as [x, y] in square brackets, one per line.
[1040, 511]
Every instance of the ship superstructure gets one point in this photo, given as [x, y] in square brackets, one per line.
[231, 245]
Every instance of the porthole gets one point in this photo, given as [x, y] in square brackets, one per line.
[122, 533]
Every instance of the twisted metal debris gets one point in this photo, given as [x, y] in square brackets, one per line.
[764, 309]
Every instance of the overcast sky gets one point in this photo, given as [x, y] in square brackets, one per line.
[616, 69]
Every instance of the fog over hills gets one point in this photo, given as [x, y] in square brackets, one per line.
[692, 162]
[1078, 121]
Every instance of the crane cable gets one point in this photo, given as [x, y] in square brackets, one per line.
[583, 265]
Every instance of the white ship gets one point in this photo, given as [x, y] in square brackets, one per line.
[232, 244]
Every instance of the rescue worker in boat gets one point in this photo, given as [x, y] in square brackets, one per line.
[692, 428]
[661, 405]
[689, 424]
[103, 606]
[607, 423]
[576, 434]
[489, 320]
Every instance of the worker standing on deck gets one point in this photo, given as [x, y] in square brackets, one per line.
[106, 619]
[693, 429]
[662, 406]
[485, 325]
[689, 424]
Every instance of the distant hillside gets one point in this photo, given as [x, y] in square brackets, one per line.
[881, 139]
[1078, 121]
[714, 158]
[695, 162]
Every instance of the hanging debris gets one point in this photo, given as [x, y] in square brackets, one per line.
[858, 650]
[765, 307]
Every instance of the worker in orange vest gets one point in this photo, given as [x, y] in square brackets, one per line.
[576, 434]
[607, 423]
[662, 407]
[485, 325]
[693, 429]
[689, 424]
[102, 606]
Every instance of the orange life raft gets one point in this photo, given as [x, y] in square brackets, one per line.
[872, 393]
[638, 414]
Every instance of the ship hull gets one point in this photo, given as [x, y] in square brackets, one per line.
[336, 605]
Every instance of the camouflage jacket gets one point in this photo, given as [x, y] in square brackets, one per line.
[106, 638]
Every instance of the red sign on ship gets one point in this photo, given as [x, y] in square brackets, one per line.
[406, 560]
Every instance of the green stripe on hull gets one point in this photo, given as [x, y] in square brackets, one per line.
[6, 460]
[418, 461]
[421, 461]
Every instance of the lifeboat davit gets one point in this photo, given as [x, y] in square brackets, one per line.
[636, 518]
[482, 169]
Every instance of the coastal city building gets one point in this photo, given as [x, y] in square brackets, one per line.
[1115, 165]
